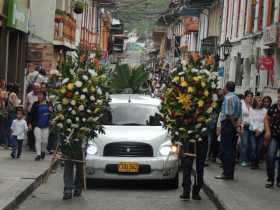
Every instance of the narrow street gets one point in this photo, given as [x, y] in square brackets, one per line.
[115, 196]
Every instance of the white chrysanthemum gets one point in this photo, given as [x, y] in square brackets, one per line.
[204, 130]
[99, 91]
[205, 71]
[88, 111]
[92, 98]
[65, 101]
[184, 62]
[54, 72]
[213, 85]
[52, 97]
[68, 121]
[73, 102]
[77, 119]
[65, 80]
[75, 126]
[85, 90]
[84, 119]
[83, 97]
[78, 84]
[210, 110]
[190, 132]
[60, 125]
[73, 112]
[195, 70]
[92, 72]
[85, 77]
[59, 107]
[72, 71]
[81, 108]
[77, 93]
[99, 102]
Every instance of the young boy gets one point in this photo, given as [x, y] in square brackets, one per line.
[19, 129]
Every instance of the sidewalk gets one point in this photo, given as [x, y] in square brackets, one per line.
[246, 192]
[19, 177]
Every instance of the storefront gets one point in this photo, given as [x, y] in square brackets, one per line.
[13, 41]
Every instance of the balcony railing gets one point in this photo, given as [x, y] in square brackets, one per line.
[65, 29]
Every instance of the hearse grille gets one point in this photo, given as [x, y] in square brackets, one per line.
[128, 149]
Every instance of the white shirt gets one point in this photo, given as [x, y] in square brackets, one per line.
[245, 113]
[19, 128]
[30, 100]
[257, 119]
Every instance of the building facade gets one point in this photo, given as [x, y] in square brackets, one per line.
[14, 27]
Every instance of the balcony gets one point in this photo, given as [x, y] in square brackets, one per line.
[65, 30]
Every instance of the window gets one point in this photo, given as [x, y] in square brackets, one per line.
[260, 16]
[132, 115]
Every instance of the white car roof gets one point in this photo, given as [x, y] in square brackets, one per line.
[135, 99]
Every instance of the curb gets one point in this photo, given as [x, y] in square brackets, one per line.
[219, 203]
[22, 196]
[214, 197]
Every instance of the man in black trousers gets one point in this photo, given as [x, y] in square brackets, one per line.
[230, 121]
[199, 150]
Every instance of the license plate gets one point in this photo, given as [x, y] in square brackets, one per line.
[128, 168]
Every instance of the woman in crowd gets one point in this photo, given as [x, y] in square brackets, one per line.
[267, 101]
[3, 115]
[257, 116]
[12, 102]
[244, 143]
[39, 120]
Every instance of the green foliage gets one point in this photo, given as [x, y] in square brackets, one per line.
[129, 79]
[141, 14]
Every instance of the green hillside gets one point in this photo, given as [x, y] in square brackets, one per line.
[140, 14]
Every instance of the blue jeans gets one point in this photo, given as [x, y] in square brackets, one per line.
[244, 145]
[16, 146]
[272, 149]
[256, 147]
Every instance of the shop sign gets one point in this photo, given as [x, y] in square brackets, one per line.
[267, 64]
[18, 15]
[270, 35]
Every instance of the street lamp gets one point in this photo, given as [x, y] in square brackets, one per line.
[226, 48]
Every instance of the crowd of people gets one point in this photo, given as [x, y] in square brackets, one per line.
[245, 129]
[29, 120]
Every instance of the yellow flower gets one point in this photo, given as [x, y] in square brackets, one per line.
[206, 93]
[183, 83]
[200, 103]
[203, 84]
[176, 79]
[70, 86]
[63, 90]
[190, 89]
[196, 79]
[200, 119]
[185, 100]
[214, 104]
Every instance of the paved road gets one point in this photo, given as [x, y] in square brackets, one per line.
[111, 196]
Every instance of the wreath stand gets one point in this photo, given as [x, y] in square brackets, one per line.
[57, 156]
